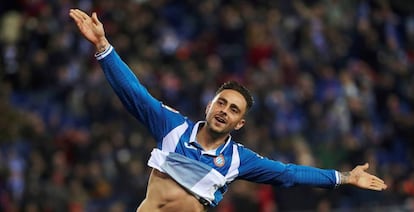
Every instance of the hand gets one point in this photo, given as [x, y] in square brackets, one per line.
[91, 28]
[360, 178]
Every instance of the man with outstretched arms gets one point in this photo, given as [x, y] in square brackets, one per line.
[195, 161]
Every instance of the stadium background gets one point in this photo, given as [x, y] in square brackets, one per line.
[333, 82]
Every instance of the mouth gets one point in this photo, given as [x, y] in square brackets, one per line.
[220, 119]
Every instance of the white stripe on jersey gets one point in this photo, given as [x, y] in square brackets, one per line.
[235, 164]
[170, 141]
[208, 185]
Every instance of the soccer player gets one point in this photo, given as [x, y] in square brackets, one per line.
[195, 161]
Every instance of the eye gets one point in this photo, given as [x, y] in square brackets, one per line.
[234, 110]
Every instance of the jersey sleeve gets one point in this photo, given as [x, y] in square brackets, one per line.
[158, 118]
[256, 168]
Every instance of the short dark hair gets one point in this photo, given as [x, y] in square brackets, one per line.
[233, 85]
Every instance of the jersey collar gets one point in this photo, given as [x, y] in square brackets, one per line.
[212, 152]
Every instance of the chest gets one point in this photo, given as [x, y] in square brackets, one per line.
[220, 159]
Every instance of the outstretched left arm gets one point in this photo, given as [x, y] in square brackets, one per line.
[362, 179]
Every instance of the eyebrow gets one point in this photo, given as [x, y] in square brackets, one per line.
[231, 105]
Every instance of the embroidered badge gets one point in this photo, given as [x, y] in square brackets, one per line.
[219, 160]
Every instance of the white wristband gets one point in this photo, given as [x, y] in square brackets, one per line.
[103, 54]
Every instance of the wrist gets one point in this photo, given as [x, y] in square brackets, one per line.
[101, 45]
[344, 177]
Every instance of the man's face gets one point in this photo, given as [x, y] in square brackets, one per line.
[226, 111]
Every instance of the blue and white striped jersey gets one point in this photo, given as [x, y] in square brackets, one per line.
[177, 134]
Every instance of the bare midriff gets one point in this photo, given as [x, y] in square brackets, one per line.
[165, 195]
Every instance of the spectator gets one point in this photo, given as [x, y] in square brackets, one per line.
[50, 90]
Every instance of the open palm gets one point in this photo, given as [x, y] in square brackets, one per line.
[90, 27]
[360, 178]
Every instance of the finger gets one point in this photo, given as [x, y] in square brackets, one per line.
[373, 177]
[82, 14]
[72, 14]
[378, 183]
[76, 15]
[95, 18]
[378, 186]
[375, 186]
[377, 179]
[365, 166]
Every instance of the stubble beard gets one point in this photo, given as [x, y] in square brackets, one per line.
[214, 132]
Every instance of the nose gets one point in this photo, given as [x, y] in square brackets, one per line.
[224, 110]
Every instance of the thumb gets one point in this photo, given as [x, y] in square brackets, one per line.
[365, 166]
[95, 18]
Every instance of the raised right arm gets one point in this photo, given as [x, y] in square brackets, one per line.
[134, 96]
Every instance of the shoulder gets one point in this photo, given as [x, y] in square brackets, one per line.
[246, 153]
[173, 115]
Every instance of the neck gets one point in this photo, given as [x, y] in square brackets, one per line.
[210, 140]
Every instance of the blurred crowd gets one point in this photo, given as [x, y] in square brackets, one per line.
[333, 84]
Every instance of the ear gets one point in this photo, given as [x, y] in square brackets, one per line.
[240, 124]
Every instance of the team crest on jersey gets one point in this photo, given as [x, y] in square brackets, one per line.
[219, 161]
